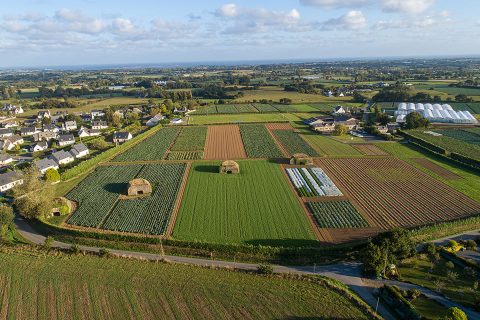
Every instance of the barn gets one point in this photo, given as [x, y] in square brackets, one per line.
[301, 159]
[138, 187]
[229, 167]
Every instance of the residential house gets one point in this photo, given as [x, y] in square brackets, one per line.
[176, 121]
[99, 125]
[28, 131]
[382, 129]
[65, 140]
[120, 136]
[44, 136]
[326, 124]
[79, 151]
[5, 159]
[43, 114]
[393, 127]
[9, 143]
[155, 120]
[86, 117]
[13, 109]
[338, 110]
[180, 110]
[97, 113]
[10, 124]
[6, 133]
[69, 125]
[40, 146]
[85, 132]
[9, 180]
[51, 128]
[62, 157]
[120, 113]
[44, 164]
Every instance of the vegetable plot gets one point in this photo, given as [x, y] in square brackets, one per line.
[293, 143]
[336, 214]
[258, 142]
[312, 182]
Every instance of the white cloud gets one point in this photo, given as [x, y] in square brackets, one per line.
[227, 10]
[406, 6]
[352, 20]
[331, 4]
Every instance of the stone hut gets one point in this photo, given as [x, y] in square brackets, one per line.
[229, 166]
[301, 159]
[138, 187]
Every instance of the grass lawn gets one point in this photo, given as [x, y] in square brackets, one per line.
[468, 185]
[36, 285]
[330, 147]
[429, 309]
[256, 206]
[421, 271]
[238, 118]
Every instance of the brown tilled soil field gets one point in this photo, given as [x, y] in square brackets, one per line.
[370, 150]
[224, 142]
[391, 193]
[435, 168]
[279, 126]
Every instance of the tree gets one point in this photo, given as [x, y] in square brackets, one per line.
[415, 120]
[455, 313]
[99, 144]
[6, 219]
[34, 198]
[383, 118]
[116, 121]
[52, 175]
[373, 259]
[340, 129]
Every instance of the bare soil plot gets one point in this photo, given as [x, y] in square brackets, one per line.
[348, 234]
[279, 126]
[370, 150]
[224, 142]
[391, 193]
[435, 168]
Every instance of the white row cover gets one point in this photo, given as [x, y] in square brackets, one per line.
[435, 113]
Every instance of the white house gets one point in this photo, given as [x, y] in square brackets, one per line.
[51, 128]
[120, 136]
[176, 121]
[10, 124]
[65, 140]
[44, 136]
[40, 146]
[9, 180]
[79, 151]
[338, 110]
[85, 132]
[13, 109]
[9, 143]
[97, 113]
[44, 164]
[155, 120]
[28, 131]
[5, 159]
[43, 114]
[69, 125]
[62, 157]
[5, 133]
[99, 125]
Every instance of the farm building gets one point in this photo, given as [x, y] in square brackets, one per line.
[229, 166]
[301, 159]
[138, 187]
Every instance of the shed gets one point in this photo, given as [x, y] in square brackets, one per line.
[301, 159]
[229, 166]
[138, 187]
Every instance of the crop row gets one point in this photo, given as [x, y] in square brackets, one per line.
[463, 135]
[97, 193]
[151, 214]
[336, 214]
[190, 139]
[258, 142]
[312, 182]
[293, 143]
[152, 148]
[185, 155]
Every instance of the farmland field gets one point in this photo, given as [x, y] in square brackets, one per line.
[277, 93]
[99, 205]
[393, 193]
[336, 214]
[238, 118]
[328, 146]
[225, 143]
[185, 155]
[293, 143]
[472, 137]
[42, 286]
[152, 148]
[258, 142]
[190, 139]
[294, 108]
[255, 206]
[370, 150]
[263, 107]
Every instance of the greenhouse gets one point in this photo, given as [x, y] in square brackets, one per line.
[434, 113]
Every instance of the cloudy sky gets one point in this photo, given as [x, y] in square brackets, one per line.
[79, 32]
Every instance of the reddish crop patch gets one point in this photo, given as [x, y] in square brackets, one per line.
[391, 193]
[370, 150]
[279, 126]
[224, 142]
[435, 168]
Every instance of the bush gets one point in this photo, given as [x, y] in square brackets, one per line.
[47, 244]
[455, 313]
[265, 269]
[52, 175]
[74, 249]
[104, 253]
[470, 245]
[449, 265]
[413, 294]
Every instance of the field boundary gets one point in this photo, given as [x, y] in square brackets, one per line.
[280, 146]
[178, 202]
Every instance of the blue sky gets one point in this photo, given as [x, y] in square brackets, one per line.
[79, 32]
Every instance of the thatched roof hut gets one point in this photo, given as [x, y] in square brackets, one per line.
[138, 187]
[229, 166]
[301, 159]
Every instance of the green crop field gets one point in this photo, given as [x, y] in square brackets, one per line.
[152, 148]
[293, 143]
[185, 155]
[35, 285]
[471, 137]
[330, 147]
[295, 108]
[336, 214]
[99, 205]
[256, 206]
[190, 139]
[262, 107]
[238, 118]
[258, 142]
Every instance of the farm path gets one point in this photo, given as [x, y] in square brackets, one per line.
[348, 273]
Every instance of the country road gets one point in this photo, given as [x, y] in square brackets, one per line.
[348, 273]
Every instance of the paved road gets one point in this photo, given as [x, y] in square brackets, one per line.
[467, 254]
[349, 273]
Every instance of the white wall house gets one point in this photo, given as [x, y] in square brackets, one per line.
[9, 180]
